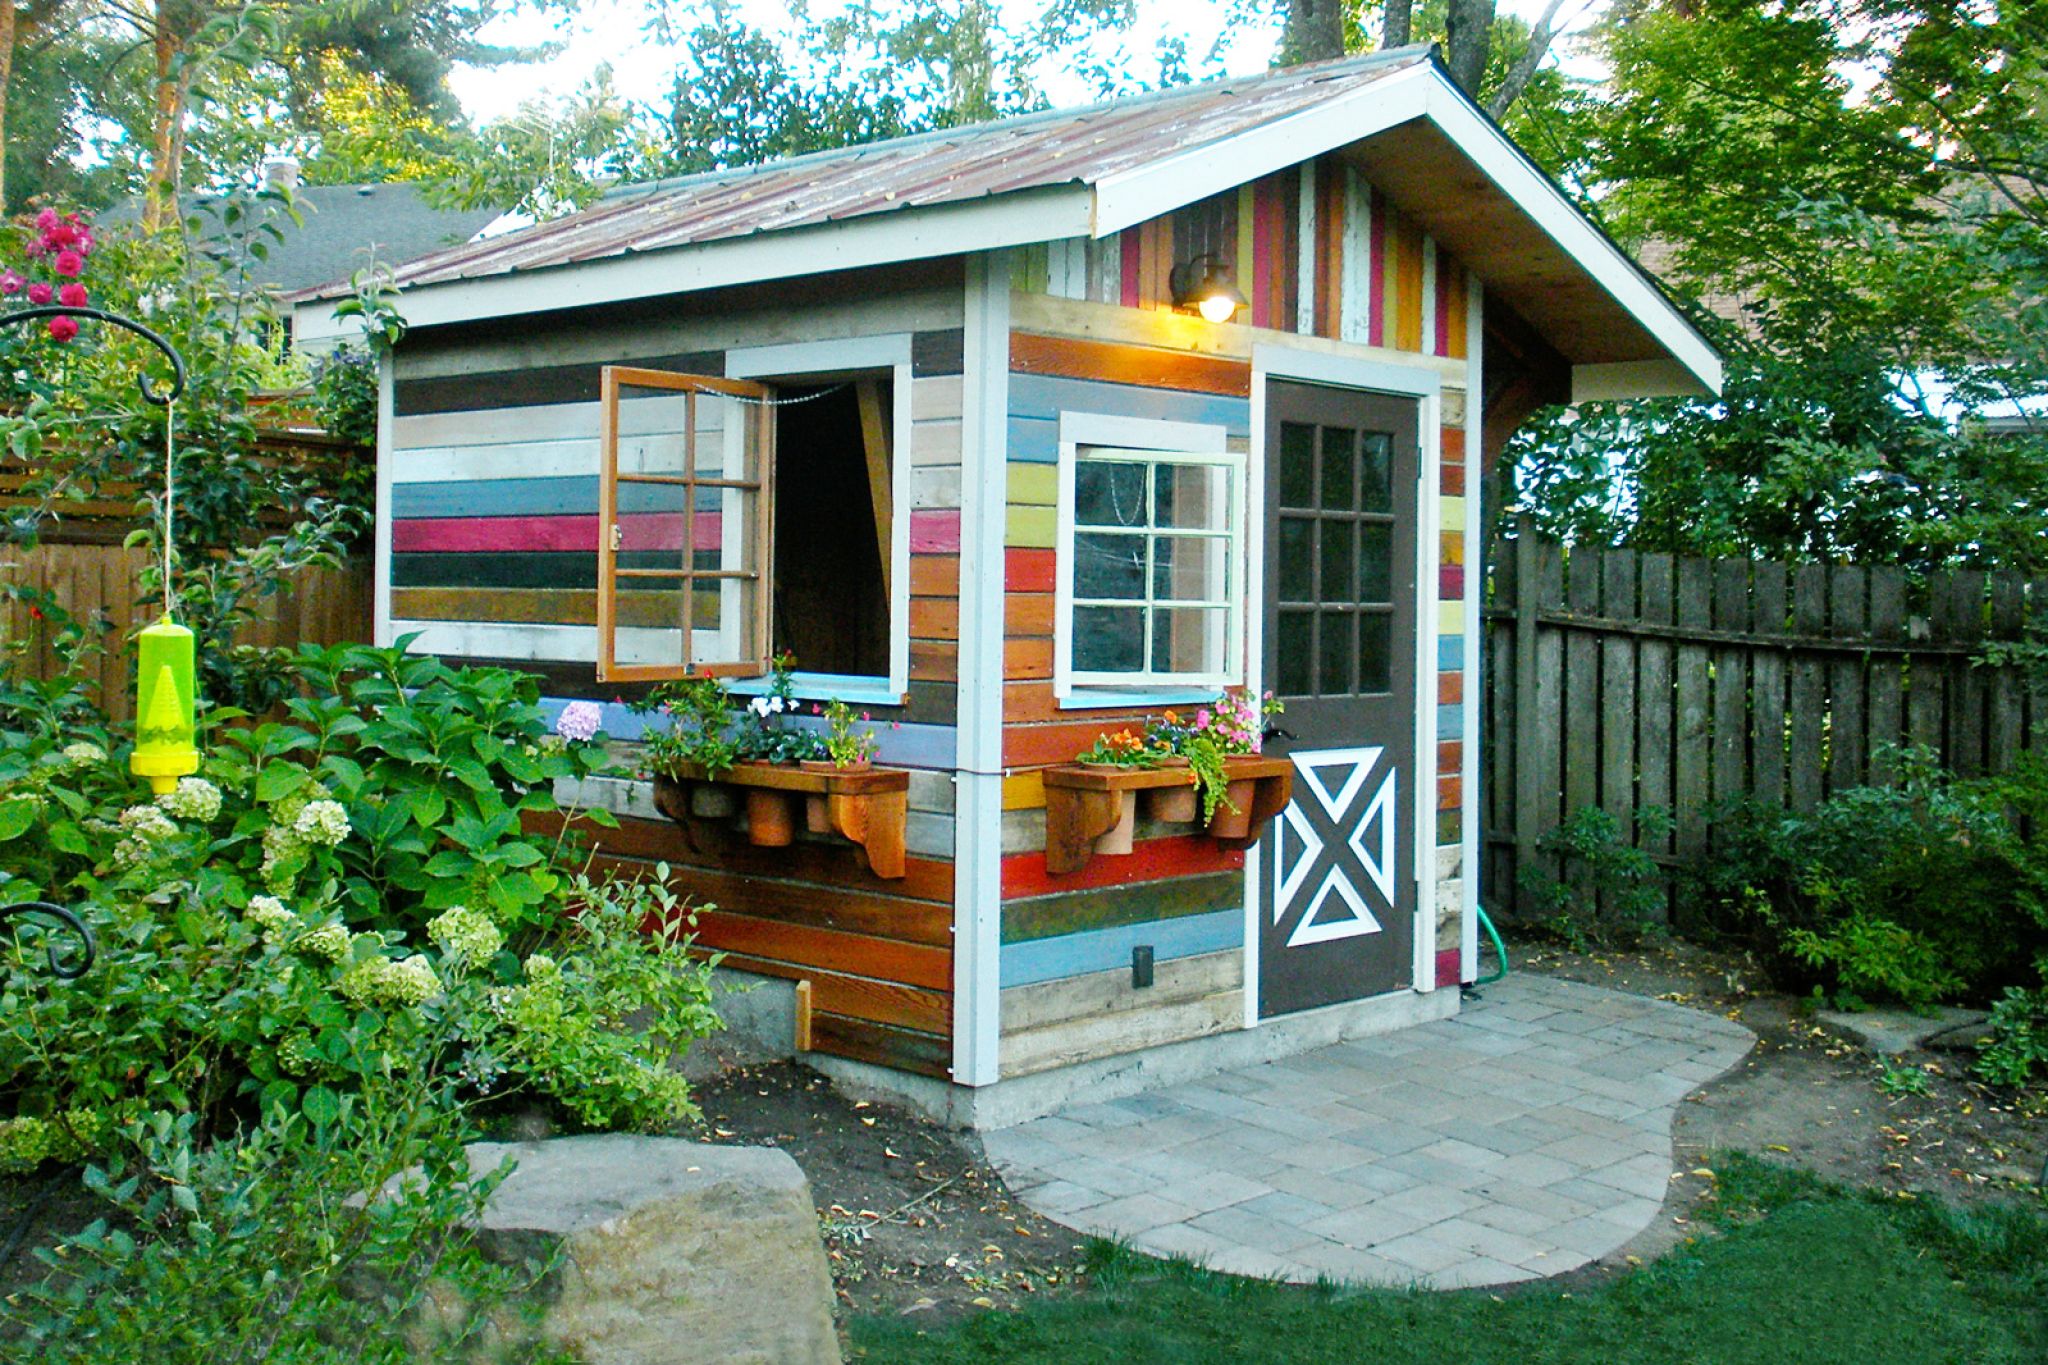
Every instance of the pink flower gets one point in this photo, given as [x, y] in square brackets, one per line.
[47, 219]
[1202, 719]
[11, 282]
[579, 721]
[40, 293]
[63, 329]
[68, 263]
[72, 295]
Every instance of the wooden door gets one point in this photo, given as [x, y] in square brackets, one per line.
[1337, 885]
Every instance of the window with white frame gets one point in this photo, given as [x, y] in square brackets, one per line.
[1151, 590]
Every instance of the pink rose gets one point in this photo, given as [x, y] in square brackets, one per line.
[46, 220]
[68, 263]
[72, 295]
[63, 329]
[11, 282]
[40, 293]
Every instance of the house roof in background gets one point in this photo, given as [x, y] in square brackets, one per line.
[343, 227]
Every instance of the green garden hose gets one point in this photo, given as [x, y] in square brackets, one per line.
[1500, 950]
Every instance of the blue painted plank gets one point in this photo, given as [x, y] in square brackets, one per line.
[1102, 950]
[1450, 721]
[565, 496]
[1450, 653]
[900, 746]
[1045, 397]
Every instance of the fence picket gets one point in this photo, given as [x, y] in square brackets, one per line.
[1689, 764]
[1808, 688]
[1848, 729]
[1769, 586]
[1887, 626]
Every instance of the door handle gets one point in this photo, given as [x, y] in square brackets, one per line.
[1273, 732]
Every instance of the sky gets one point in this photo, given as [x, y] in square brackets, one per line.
[610, 31]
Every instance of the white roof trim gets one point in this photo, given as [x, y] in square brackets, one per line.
[1018, 219]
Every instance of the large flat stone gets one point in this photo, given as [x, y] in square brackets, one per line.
[1892, 1032]
[672, 1251]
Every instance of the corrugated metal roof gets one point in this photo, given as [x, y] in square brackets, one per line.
[955, 165]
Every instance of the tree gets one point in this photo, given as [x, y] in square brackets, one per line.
[1494, 57]
[1313, 31]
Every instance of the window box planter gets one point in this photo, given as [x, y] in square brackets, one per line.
[868, 806]
[1085, 804]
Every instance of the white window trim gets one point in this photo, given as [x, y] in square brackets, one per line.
[1189, 442]
[890, 351]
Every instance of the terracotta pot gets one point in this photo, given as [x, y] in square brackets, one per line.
[1233, 819]
[1180, 804]
[1118, 840]
[713, 801]
[771, 822]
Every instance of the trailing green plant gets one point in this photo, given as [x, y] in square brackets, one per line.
[1232, 724]
[1597, 865]
[699, 730]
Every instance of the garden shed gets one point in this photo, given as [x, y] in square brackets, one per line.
[1017, 435]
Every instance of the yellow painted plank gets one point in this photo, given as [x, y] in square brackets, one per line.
[1451, 548]
[1024, 791]
[1451, 514]
[1030, 528]
[1450, 618]
[1034, 485]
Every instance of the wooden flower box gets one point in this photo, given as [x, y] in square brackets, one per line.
[869, 806]
[1085, 802]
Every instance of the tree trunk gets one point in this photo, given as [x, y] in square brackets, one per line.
[166, 131]
[1398, 31]
[6, 75]
[1314, 32]
[1524, 70]
[1468, 34]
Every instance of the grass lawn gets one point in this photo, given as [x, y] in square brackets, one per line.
[1796, 1272]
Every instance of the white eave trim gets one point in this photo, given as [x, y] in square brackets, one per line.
[908, 234]
[1139, 195]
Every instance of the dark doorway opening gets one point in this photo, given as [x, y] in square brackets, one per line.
[833, 507]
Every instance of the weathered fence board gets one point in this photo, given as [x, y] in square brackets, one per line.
[1628, 680]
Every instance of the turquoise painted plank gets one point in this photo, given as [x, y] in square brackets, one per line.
[568, 495]
[1034, 440]
[1102, 950]
[1450, 653]
[1450, 721]
[902, 746]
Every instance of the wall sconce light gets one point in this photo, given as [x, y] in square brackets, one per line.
[1204, 284]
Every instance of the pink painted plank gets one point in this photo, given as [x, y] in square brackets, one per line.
[935, 530]
[1127, 243]
[1376, 276]
[642, 531]
[1441, 343]
[1451, 583]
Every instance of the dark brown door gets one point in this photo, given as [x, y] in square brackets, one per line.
[1337, 882]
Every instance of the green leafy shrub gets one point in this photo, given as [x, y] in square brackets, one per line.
[1932, 889]
[2019, 1036]
[1597, 864]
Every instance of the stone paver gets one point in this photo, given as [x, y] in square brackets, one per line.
[1525, 1137]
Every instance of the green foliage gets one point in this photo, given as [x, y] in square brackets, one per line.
[1597, 863]
[1932, 889]
[846, 744]
[2019, 1036]
[700, 727]
[1122, 749]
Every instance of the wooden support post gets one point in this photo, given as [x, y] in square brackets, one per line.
[803, 1016]
[874, 434]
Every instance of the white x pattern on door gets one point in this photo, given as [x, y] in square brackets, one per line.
[1306, 867]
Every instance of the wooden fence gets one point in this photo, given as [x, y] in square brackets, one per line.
[1625, 680]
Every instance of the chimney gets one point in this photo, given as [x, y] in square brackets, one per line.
[281, 173]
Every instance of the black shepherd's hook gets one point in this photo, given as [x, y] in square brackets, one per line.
[150, 393]
[58, 968]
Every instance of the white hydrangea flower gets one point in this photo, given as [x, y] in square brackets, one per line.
[468, 935]
[541, 967]
[83, 753]
[270, 915]
[194, 798]
[322, 822]
[411, 982]
[329, 941]
[147, 822]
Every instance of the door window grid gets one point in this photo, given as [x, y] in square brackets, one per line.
[1335, 561]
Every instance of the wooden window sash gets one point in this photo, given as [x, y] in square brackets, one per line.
[759, 554]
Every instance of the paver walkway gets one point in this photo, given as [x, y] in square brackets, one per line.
[1527, 1136]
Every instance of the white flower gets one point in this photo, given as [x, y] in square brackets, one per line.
[468, 935]
[270, 914]
[147, 822]
[777, 705]
[759, 706]
[322, 822]
[541, 967]
[329, 941]
[83, 753]
[194, 798]
[410, 982]
[579, 721]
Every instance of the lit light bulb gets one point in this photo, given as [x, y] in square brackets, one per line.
[1218, 307]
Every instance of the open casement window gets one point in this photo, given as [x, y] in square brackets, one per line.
[1151, 576]
[687, 476]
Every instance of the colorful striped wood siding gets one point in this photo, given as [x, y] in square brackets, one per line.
[1370, 275]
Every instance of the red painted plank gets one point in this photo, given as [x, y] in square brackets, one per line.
[1448, 967]
[1127, 244]
[1451, 583]
[1150, 860]
[935, 531]
[1030, 570]
[1375, 285]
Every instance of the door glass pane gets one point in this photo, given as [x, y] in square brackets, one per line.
[1337, 581]
[1296, 646]
[1187, 640]
[651, 520]
[1339, 490]
[1109, 566]
[1376, 464]
[1190, 497]
[1375, 651]
[1334, 669]
[1297, 465]
[723, 628]
[1109, 639]
[651, 426]
[1375, 562]
[1190, 568]
[727, 432]
[1297, 559]
[1109, 493]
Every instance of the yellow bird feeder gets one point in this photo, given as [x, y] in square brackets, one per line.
[165, 703]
